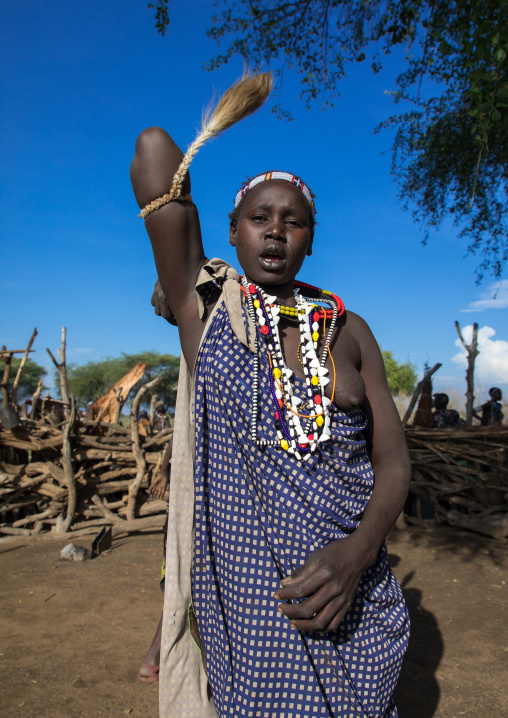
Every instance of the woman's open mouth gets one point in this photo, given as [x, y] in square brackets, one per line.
[272, 259]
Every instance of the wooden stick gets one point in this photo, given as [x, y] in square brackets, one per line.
[417, 392]
[4, 384]
[15, 532]
[107, 513]
[472, 353]
[35, 400]
[4, 352]
[61, 367]
[136, 448]
[68, 468]
[495, 527]
[17, 378]
[153, 402]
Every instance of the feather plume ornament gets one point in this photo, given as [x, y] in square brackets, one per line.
[240, 100]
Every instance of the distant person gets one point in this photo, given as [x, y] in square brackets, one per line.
[442, 417]
[143, 423]
[491, 411]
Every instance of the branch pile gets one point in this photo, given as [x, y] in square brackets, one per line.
[85, 475]
[464, 473]
[78, 477]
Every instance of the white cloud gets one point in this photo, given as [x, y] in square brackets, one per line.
[491, 366]
[495, 297]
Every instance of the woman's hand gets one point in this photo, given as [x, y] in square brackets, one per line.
[327, 581]
[158, 486]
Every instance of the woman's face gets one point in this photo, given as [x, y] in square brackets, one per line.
[273, 234]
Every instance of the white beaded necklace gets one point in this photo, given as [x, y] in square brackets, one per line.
[296, 433]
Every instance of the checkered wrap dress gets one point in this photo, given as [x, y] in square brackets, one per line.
[258, 516]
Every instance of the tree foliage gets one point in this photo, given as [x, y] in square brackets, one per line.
[30, 376]
[401, 377]
[89, 381]
[450, 153]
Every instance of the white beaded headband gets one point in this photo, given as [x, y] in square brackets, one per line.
[296, 181]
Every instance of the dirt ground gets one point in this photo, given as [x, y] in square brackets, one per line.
[72, 635]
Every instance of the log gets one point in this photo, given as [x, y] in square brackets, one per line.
[15, 531]
[494, 527]
[48, 514]
[106, 512]
[149, 522]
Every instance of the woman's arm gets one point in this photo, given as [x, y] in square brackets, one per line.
[161, 480]
[331, 575]
[174, 232]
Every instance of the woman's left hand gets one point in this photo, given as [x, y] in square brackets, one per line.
[158, 486]
[327, 581]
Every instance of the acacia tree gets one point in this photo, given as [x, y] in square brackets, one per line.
[401, 377]
[450, 152]
[32, 372]
[89, 381]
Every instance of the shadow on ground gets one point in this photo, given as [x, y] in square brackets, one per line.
[417, 694]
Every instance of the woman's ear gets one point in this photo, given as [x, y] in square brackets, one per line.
[232, 234]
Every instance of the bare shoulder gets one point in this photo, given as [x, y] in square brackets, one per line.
[356, 324]
[357, 329]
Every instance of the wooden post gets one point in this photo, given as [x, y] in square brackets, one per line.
[35, 400]
[17, 378]
[119, 405]
[68, 469]
[62, 370]
[153, 403]
[417, 393]
[136, 448]
[4, 384]
[472, 353]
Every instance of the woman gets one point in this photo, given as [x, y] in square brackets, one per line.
[297, 609]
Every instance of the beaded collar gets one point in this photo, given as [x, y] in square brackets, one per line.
[297, 433]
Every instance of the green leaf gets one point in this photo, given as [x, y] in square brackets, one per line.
[496, 115]
[500, 55]
[444, 48]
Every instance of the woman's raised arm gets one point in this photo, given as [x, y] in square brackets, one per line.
[174, 231]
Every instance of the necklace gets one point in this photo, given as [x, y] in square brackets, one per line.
[298, 434]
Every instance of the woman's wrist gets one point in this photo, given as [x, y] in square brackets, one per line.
[367, 544]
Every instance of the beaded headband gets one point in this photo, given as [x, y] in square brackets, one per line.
[296, 181]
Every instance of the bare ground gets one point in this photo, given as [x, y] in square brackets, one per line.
[72, 635]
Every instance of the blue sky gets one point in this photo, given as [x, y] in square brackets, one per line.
[79, 81]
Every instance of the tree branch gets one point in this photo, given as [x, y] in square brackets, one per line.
[136, 448]
[17, 378]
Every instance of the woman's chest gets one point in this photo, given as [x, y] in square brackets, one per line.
[346, 387]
